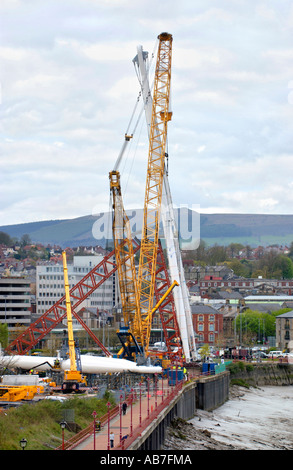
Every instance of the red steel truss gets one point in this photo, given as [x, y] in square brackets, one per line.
[167, 309]
[78, 293]
[83, 289]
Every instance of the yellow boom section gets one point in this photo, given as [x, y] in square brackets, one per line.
[71, 344]
[154, 183]
[125, 260]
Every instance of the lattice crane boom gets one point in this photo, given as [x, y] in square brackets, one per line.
[137, 293]
[125, 260]
[154, 183]
[169, 225]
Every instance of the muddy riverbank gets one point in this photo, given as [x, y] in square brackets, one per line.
[258, 418]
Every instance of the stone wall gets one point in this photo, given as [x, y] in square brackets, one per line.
[262, 374]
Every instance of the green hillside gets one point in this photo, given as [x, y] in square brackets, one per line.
[221, 229]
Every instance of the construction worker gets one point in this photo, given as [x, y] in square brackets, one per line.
[185, 373]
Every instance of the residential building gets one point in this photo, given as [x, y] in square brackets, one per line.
[207, 324]
[15, 301]
[199, 273]
[245, 286]
[284, 331]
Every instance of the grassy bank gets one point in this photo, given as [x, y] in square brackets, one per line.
[39, 423]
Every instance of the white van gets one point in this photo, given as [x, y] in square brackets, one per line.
[275, 354]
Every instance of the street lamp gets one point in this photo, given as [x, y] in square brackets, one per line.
[131, 401]
[156, 390]
[120, 410]
[108, 405]
[23, 443]
[94, 414]
[140, 403]
[63, 426]
[148, 382]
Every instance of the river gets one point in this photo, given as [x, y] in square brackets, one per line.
[252, 419]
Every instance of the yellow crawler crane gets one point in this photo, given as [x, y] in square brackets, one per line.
[137, 294]
[72, 377]
[154, 184]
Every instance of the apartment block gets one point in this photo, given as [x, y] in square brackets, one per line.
[15, 301]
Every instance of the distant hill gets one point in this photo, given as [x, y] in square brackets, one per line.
[221, 229]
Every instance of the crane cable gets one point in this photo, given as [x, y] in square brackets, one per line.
[128, 136]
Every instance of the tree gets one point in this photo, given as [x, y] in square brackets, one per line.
[217, 254]
[285, 265]
[239, 268]
[25, 240]
[3, 335]
[257, 325]
[234, 249]
[204, 351]
[5, 239]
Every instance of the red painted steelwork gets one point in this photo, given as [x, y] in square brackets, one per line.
[41, 327]
[167, 309]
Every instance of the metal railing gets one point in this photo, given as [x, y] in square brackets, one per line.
[87, 432]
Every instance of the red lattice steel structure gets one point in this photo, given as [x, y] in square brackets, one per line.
[167, 309]
[83, 289]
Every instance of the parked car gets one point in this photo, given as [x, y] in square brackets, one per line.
[259, 355]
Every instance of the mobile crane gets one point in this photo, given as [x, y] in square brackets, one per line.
[72, 377]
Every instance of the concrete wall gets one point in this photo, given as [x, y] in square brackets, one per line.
[212, 391]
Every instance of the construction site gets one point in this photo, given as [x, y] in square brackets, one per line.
[150, 378]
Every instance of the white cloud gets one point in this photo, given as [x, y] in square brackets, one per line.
[69, 88]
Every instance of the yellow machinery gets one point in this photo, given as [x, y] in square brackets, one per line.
[11, 393]
[137, 293]
[72, 377]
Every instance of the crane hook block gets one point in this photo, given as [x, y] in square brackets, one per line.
[165, 36]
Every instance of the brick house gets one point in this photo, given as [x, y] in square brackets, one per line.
[207, 324]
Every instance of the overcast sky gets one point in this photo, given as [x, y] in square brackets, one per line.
[69, 87]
